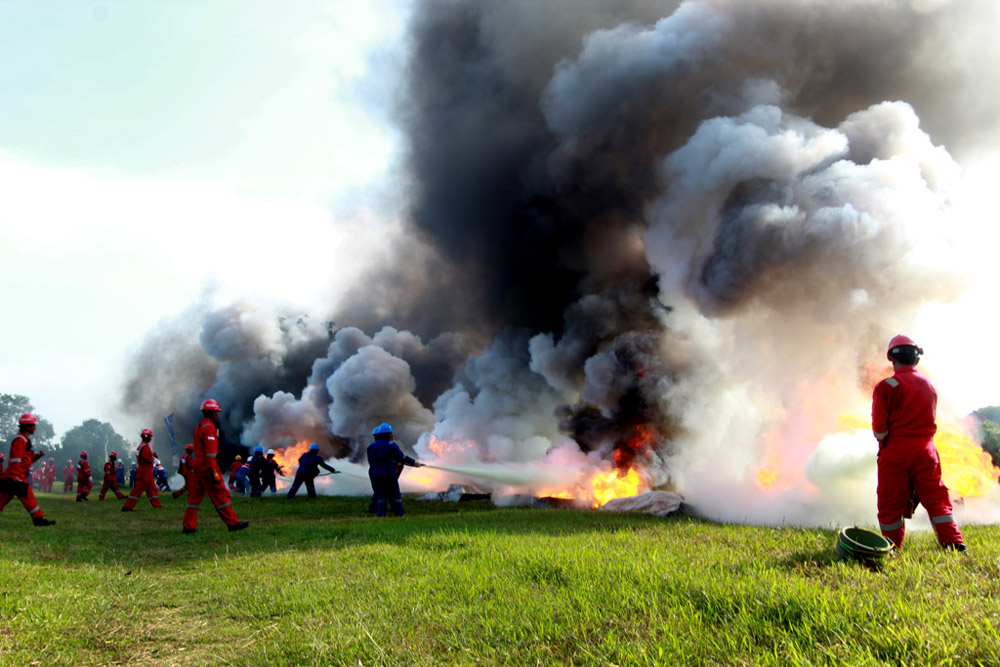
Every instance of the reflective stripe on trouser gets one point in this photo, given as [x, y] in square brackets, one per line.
[200, 483]
[143, 484]
[28, 502]
[908, 465]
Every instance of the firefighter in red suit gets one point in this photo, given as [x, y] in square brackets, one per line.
[206, 476]
[14, 481]
[144, 482]
[904, 409]
[84, 478]
[50, 478]
[185, 470]
[233, 469]
[3, 460]
[68, 476]
[110, 478]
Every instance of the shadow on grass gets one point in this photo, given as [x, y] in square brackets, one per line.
[98, 533]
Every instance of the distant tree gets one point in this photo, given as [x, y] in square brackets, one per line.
[98, 439]
[12, 406]
[988, 425]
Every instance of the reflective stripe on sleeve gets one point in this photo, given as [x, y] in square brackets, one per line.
[15, 460]
[944, 518]
[880, 436]
[891, 526]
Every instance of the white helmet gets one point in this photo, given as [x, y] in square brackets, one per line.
[270, 452]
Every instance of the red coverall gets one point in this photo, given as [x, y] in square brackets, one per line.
[50, 476]
[185, 471]
[904, 408]
[21, 458]
[206, 478]
[144, 482]
[233, 467]
[110, 481]
[68, 478]
[84, 480]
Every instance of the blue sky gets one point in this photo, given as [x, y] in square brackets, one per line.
[155, 154]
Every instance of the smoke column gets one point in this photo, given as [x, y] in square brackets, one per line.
[670, 236]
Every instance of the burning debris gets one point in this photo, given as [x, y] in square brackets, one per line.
[654, 245]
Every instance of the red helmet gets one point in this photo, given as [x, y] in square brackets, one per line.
[146, 432]
[113, 455]
[211, 404]
[27, 418]
[189, 447]
[900, 340]
[83, 455]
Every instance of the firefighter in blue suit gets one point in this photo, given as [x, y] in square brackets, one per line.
[309, 465]
[384, 459]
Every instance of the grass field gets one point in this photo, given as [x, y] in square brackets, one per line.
[320, 582]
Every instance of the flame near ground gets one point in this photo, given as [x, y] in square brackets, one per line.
[841, 466]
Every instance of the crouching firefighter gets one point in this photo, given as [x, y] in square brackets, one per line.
[110, 482]
[14, 482]
[309, 465]
[206, 478]
[384, 459]
[904, 412]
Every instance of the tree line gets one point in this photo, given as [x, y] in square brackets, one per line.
[93, 436]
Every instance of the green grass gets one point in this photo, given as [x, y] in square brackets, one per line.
[320, 582]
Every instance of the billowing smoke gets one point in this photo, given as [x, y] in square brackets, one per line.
[665, 236]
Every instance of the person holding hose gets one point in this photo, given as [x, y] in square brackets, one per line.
[309, 464]
[904, 413]
[206, 478]
[384, 459]
[144, 482]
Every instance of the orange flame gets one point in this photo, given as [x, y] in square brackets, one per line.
[966, 468]
[288, 457]
[600, 487]
[604, 487]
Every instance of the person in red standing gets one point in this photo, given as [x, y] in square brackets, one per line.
[84, 478]
[110, 482]
[15, 479]
[3, 460]
[904, 413]
[144, 482]
[206, 478]
[68, 476]
[50, 477]
[185, 470]
[234, 467]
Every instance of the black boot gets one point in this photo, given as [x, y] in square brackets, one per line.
[239, 526]
[42, 521]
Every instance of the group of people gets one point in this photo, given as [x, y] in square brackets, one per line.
[904, 412]
[257, 474]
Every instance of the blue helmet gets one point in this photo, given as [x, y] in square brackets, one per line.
[258, 450]
[384, 427]
[314, 447]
